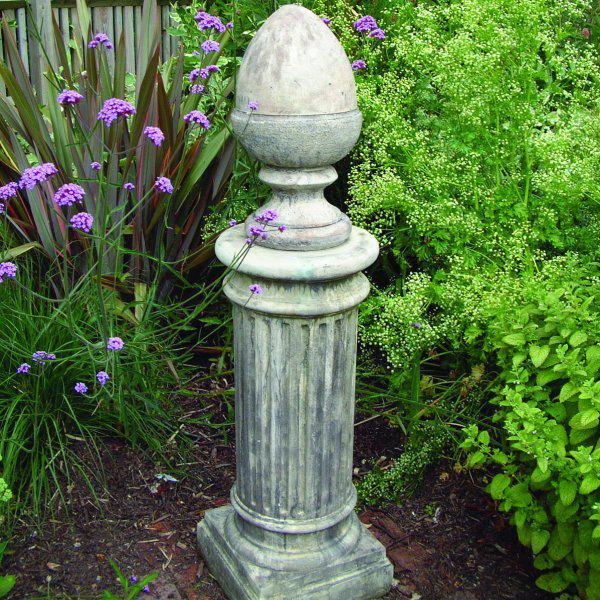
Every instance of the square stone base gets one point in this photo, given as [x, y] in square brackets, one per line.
[361, 574]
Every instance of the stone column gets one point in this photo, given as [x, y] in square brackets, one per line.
[291, 531]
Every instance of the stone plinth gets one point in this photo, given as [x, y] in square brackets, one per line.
[291, 531]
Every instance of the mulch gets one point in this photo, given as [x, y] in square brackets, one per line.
[446, 542]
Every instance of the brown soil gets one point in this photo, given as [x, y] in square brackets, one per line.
[446, 542]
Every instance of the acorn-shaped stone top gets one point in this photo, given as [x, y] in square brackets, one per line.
[296, 66]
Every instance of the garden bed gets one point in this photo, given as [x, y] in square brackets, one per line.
[447, 541]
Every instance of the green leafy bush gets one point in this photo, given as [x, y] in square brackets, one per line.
[548, 415]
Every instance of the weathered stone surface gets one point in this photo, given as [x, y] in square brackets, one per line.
[291, 531]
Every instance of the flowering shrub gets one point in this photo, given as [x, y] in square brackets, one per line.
[110, 180]
[107, 153]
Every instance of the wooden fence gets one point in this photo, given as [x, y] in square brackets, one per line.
[108, 16]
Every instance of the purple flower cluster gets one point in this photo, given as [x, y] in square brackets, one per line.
[210, 46]
[163, 184]
[100, 38]
[203, 73]
[102, 377]
[96, 166]
[69, 97]
[23, 369]
[113, 108]
[206, 21]
[41, 357]
[359, 65]
[327, 21]
[365, 24]
[82, 221]
[258, 231]
[252, 106]
[232, 223]
[69, 194]
[81, 388]
[115, 343]
[229, 25]
[129, 186]
[255, 289]
[197, 88]
[377, 33]
[34, 175]
[267, 216]
[8, 191]
[8, 270]
[155, 135]
[197, 117]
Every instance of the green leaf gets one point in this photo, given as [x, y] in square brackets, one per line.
[6, 584]
[567, 490]
[546, 376]
[586, 419]
[589, 484]
[578, 338]
[592, 355]
[596, 533]
[568, 390]
[484, 438]
[539, 538]
[18, 250]
[538, 354]
[514, 339]
[498, 485]
[552, 582]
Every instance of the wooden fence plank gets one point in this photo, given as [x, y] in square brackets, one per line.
[108, 16]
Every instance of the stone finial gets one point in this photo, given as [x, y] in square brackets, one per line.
[299, 81]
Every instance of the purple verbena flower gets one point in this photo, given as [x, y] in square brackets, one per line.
[212, 69]
[359, 65]
[377, 33]
[197, 88]
[9, 191]
[585, 32]
[69, 97]
[282, 228]
[163, 184]
[146, 589]
[155, 135]
[210, 46]
[229, 25]
[82, 221]
[100, 38]
[102, 377]
[249, 241]
[252, 106]
[266, 216]
[23, 369]
[41, 357]
[257, 231]
[96, 166]
[255, 289]
[113, 108]
[416, 325]
[34, 175]
[232, 223]
[194, 74]
[206, 21]
[8, 270]
[128, 186]
[1, 208]
[115, 343]
[327, 21]
[365, 24]
[81, 388]
[69, 194]
[197, 117]
[133, 579]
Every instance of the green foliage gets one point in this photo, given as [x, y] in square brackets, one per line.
[548, 410]
[478, 159]
[406, 472]
[7, 582]
[147, 231]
